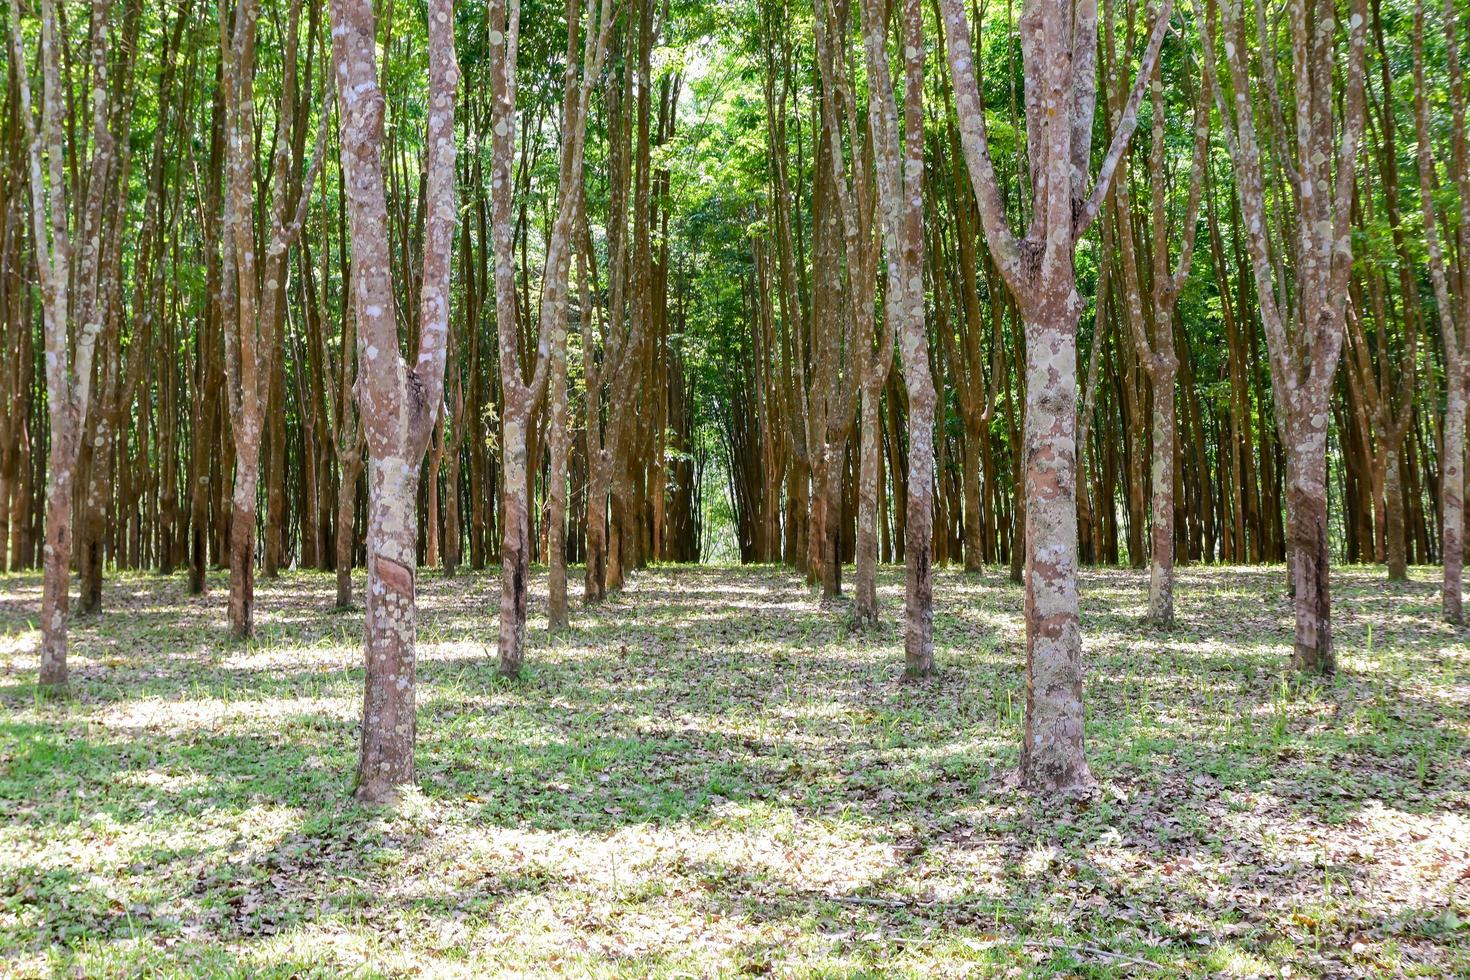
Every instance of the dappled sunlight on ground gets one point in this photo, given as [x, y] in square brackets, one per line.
[711, 773]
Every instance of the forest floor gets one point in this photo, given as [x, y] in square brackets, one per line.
[711, 775]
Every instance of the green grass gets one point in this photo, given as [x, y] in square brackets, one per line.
[711, 776]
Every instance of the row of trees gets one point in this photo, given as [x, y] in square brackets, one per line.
[851, 285]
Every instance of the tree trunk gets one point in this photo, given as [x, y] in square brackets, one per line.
[865, 587]
[385, 760]
[56, 570]
[1307, 517]
[970, 477]
[431, 518]
[242, 552]
[1161, 569]
[1052, 754]
[556, 491]
[398, 401]
[1452, 499]
[515, 541]
[351, 467]
[918, 641]
[595, 581]
[1393, 491]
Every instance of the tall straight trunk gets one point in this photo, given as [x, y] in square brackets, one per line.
[96, 459]
[576, 93]
[842, 322]
[275, 469]
[453, 532]
[204, 377]
[622, 439]
[1087, 531]
[556, 491]
[99, 510]
[1156, 354]
[431, 518]
[973, 529]
[398, 402]
[594, 585]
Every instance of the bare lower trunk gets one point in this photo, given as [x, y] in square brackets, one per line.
[1052, 754]
[1017, 570]
[56, 565]
[1161, 575]
[90, 558]
[275, 488]
[865, 588]
[556, 532]
[431, 519]
[452, 530]
[970, 475]
[620, 544]
[1307, 518]
[198, 526]
[798, 510]
[242, 570]
[346, 505]
[817, 526]
[918, 640]
[1393, 493]
[242, 551]
[831, 542]
[1452, 501]
[93, 519]
[595, 581]
[388, 729]
[515, 546]
[7, 563]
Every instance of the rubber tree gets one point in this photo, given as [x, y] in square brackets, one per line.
[398, 402]
[1059, 48]
[1317, 158]
[520, 395]
[1155, 346]
[1450, 277]
[898, 162]
[71, 317]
